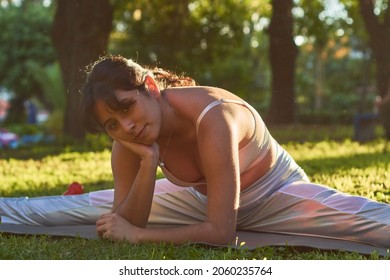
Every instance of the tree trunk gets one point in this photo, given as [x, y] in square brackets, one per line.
[80, 35]
[379, 37]
[283, 53]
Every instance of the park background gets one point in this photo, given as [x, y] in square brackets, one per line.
[300, 61]
[308, 66]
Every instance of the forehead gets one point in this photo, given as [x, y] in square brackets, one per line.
[123, 94]
[105, 108]
[113, 101]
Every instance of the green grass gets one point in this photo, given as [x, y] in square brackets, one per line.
[329, 157]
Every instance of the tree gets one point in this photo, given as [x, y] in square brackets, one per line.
[218, 43]
[187, 34]
[283, 54]
[80, 35]
[377, 22]
[24, 39]
[332, 62]
[319, 26]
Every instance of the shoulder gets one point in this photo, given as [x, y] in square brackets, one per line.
[194, 104]
[191, 101]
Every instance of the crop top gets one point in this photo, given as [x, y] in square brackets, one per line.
[259, 144]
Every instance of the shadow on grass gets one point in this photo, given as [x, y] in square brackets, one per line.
[39, 152]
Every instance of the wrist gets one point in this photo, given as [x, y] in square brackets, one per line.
[134, 236]
[151, 162]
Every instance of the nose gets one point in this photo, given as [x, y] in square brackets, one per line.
[127, 126]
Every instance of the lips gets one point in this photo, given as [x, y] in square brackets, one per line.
[139, 133]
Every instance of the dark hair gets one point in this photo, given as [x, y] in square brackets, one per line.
[112, 73]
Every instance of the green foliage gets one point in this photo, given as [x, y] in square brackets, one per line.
[326, 116]
[22, 129]
[50, 80]
[225, 44]
[303, 133]
[218, 43]
[96, 142]
[346, 80]
[319, 20]
[24, 37]
[178, 33]
[334, 61]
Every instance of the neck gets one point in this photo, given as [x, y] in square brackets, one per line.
[168, 117]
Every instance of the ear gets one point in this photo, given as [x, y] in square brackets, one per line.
[151, 86]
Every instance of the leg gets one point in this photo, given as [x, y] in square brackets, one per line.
[306, 209]
[56, 210]
[172, 205]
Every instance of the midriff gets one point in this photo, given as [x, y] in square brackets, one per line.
[253, 174]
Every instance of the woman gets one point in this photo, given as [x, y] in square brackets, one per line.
[224, 170]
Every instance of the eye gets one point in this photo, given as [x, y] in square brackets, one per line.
[125, 106]
[111, 125]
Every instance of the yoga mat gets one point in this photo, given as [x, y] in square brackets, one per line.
[245, 239]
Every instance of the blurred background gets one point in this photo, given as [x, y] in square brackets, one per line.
[297, 61]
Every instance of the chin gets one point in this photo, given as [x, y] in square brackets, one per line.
[148, 142]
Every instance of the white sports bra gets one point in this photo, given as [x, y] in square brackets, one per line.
[259, 144]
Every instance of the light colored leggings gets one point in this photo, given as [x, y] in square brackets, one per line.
[299, 208]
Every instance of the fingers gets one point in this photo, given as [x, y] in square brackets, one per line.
[114, 227]
[101, 224]
[106, 215]
[106, 225]
[103, 219]
[100, 228]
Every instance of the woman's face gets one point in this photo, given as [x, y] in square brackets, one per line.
[138, 118]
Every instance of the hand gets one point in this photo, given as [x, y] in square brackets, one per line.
[145, 152]
[115, 227]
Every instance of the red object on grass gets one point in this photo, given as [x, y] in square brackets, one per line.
[74, 188]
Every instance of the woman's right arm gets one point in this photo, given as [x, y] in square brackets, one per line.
[134, 169]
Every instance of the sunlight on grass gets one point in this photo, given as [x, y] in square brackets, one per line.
[331, 159]
[54, 172]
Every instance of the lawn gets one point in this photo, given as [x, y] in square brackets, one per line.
[327, 154]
